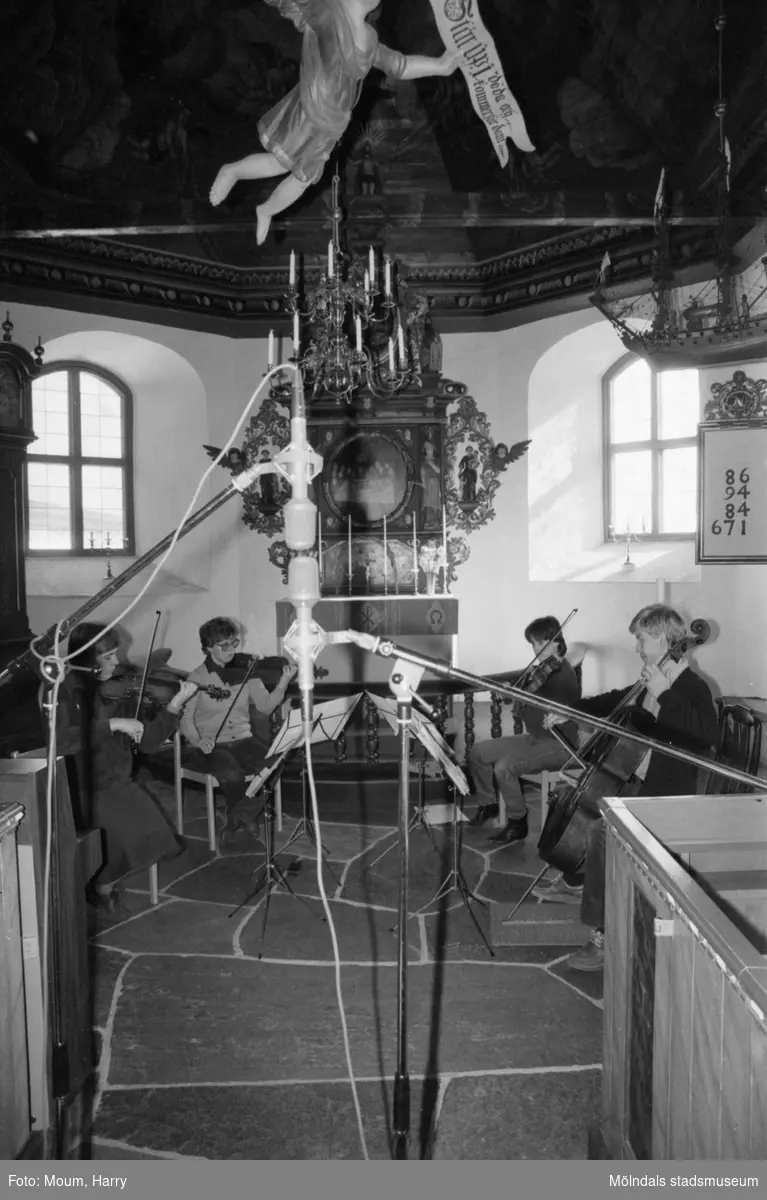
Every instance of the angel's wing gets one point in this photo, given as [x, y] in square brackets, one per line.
[212, 451]
[300, 12]
[517, 450]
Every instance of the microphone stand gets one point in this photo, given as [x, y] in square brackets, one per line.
[401, 687]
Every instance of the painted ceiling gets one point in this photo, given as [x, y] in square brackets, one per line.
[116, 115]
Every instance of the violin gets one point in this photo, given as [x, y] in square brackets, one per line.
[609, 764]
[160, 686]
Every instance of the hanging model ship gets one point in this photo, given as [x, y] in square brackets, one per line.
[692, 325]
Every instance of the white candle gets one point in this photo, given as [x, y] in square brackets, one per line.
[358, 323]
[372, 265]
[330, 260]
[270, 355]
[401, 345]
[415, 560]
[319, 546]
[391, 356]
[387, 275]
[296, 333]
[350, 555]
[367, 285]
[292, 268]
[386, 556]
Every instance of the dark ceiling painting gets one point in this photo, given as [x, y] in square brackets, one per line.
[118, 113]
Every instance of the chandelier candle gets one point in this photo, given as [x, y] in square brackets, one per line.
[296, 334]
[358, 326]
[292, 268]
[391, 356]
[330, 260]
[270, 354]
[401, 344]
[387, 275]
[372, 264]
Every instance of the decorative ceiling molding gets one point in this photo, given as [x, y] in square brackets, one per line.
[133, 281]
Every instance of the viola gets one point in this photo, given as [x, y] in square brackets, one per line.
[610, 765]
[160, 686]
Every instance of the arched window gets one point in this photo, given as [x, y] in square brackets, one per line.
[650, 421]
[80, 468]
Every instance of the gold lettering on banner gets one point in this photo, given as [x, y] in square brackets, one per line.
[463, 32]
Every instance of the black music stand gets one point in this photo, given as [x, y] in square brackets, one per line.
[328, 722]
[271, 876]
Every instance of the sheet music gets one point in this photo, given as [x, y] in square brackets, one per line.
[328, 722]
[429, 737]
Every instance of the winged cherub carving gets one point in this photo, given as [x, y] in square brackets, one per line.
[298, 135]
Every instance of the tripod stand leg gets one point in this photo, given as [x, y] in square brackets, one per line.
[535, 883]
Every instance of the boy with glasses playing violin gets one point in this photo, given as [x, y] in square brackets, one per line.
[675, 706]
[220, 738]
[500, 762]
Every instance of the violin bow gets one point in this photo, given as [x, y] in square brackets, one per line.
[145, 672]
[237, 695]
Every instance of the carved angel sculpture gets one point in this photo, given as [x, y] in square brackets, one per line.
[299, 133]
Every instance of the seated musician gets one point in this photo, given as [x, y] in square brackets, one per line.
[221, 740]
[676, 706]
[136, 831]
[500, 762]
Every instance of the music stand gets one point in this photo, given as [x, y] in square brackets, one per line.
[272, 875]
[438, 750]
[328, 722]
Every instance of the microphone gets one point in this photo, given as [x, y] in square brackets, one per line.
[299, 464]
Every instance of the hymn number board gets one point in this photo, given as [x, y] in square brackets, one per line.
[732, 492]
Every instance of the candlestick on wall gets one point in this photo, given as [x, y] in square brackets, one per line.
[415, 560]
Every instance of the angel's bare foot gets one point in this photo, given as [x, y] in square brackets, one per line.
[263, 222]
[223, 184]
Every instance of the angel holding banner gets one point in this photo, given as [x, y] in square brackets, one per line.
[298, 135]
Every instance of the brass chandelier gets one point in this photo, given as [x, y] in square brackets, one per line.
[348, 334]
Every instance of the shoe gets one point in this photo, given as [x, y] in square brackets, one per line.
[485, 812]
[590, 957]
[111, 903]
[558, 892]
[513, 831]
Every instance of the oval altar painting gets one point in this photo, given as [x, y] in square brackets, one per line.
[369, 477]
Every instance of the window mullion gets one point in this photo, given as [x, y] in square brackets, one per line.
[76, 467]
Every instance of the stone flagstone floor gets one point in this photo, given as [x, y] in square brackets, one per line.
[209, 1051]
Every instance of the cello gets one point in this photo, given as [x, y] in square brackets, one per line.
[608, 765]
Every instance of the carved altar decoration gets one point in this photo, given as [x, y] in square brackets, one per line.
[740, 399]
[474, 463]
[267, 433]
[402, 478]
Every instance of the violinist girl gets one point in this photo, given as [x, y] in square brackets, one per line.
[136, 831]
[499, 762]
[675, 706]
[220, 737]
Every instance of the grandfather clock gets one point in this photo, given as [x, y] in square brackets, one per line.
[17, 370]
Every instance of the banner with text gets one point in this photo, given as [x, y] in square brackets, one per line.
[463, 32]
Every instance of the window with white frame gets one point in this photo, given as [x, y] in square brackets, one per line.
[651, 456]
[80, 468]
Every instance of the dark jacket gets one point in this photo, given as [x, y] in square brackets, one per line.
[562, 687]
[686, 719]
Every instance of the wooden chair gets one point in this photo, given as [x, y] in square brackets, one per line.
[740, 745]
[210, 783]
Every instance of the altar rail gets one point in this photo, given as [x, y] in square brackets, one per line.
[685, 1000]
[472, 720]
